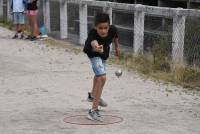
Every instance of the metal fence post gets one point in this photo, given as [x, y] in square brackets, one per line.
[178, 38]
[83, 22]
[138, 30]
[47, 15]
[63, 20]
[1, 9]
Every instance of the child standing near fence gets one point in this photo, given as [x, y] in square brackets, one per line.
[17, 9]
[32, 12]
[97, 48]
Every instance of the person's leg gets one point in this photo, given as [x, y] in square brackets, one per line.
[95, 79]
[100, 82]
[21, 24]
[94, 84]
[18, 22]
[17, 28]
[22, 31]
[100, 71]
[31, 24]
[16, 31]
[15, 22]
[98, 66]
[35, 26]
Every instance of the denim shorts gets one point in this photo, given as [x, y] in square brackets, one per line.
[18, 18]
[98, 66]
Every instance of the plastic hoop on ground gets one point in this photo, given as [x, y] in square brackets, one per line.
[83, 120]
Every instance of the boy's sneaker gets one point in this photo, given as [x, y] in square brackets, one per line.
[90, 98]
[92, 115]
[101, 101]
[97, 112]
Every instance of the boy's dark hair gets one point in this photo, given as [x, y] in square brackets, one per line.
[101, 18]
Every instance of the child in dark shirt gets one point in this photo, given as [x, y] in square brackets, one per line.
[32, 12]
[97, 48]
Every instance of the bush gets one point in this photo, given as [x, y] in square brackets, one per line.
[185, 74]
[161, 51]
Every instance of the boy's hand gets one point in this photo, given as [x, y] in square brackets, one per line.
[117, 52]
[100, 48]
[96, 47]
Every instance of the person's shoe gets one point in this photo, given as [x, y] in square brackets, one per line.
[90, 98]
[15, 36]
[34, 38]
[97, 112]
[92, 115]
[102, 103]
[28, 37]
[22, 36]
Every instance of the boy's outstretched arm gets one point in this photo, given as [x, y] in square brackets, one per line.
[117, 49]
[96, 47]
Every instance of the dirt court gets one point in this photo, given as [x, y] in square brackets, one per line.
[40, 86]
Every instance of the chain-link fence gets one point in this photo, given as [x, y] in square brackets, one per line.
[124, 21]
[5, 13]
[192, 41]
[157, 29]
[54, 15]
[73, 19]
[92, 11]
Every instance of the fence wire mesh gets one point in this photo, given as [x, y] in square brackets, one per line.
[192, 41]
[156, 28]
[92, 11]
[40, 17]
[5, 15]
[73, 21]
[124, 21]
[54, 15]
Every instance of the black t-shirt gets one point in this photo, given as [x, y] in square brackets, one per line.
[93, 35]
[32, 5]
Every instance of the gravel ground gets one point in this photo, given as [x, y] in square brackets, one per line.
[41, 85]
